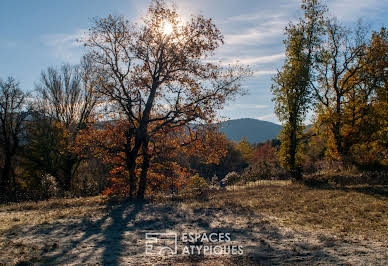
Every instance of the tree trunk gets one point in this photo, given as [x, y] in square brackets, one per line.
[336, 129]
[68, 173]
[294, 169]
[292, 153]
[67, 176]
[131, 165]
[141, 140]
[144, 171]
[7, 181]
[338, 141]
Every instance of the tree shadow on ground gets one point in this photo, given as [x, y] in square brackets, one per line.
[113, 238]
[371, 190]
[376, 191]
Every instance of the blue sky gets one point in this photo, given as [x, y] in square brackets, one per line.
[41, 33]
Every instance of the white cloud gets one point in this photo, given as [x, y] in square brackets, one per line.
[264, 72]
[269, 117]
[246, 106]
[259, 27]
[260, 106]
[67, 47]
[350, 10]
[253, 60]
[255, 35]
[262, 59]
[263, 15]
[246, 17]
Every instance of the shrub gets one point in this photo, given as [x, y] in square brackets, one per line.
[49, 185]
[196, 187]
[231, 178]
[214, 181]
[263, 171]
[345, 178]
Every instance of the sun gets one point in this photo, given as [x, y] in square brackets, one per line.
[167, 28]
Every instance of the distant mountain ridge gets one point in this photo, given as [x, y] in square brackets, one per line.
[253, 130]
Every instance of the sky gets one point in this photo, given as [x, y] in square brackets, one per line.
[41, 33]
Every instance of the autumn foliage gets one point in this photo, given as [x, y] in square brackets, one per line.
[167, 172]
[136, 117]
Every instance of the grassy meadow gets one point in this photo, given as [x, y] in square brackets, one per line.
[274, 223]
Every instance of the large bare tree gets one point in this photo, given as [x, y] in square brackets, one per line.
[157, 75]
[13, 113]
[65, 104]
[339, 62]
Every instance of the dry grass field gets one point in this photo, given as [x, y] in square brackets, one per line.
[278, 223]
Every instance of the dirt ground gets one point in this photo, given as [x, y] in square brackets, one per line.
[114, 234]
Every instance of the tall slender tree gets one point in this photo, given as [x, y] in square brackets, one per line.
[291, 88]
